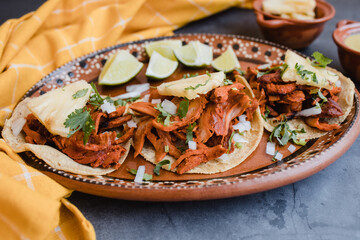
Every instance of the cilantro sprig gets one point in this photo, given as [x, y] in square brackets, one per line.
[164, 116]
[183, 108]
[266, 113]
[146, 177]
[189, 75]
[230, 141]
[80, 93]
[189, 132]
[284, 134]
[228, 82]
[242, 73]
[305, 74]
[320, 60]
[197, 85]
[159, 165]
[282, 67]
[80, 119]
[95, 98]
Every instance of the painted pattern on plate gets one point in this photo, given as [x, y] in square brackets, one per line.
[250, 52]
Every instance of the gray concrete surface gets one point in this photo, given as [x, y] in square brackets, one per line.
[323, 206]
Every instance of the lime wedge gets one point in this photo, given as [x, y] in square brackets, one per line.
[164, 47]
[120, 68]
[160, 67]
[227, 61]
[195, 54]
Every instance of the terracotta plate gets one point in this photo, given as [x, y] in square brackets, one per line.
[257, 173]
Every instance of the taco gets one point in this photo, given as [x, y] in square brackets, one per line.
[72, 129]
[301, 99]
[204, 124]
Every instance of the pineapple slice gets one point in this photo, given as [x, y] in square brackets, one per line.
[191, 87]
[324, 77]
[52, 108]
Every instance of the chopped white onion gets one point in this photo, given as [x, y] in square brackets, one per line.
[140, 174]
[278, 156]
[270, 148]
[338, 83]
[169, 106]
[146, 98]
[264, 66]
[238, 138]
[128, 95]
[224, 157]
[310, 111]
[108, 107]
[242, 126]
[138, 87]
[242, 118]
[192, 145]
[17, 126]
[155, 101]
[131, 124]
[291, 148]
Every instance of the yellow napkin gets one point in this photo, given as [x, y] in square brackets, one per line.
[32, 206]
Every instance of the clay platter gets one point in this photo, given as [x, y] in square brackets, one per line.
[257, 173]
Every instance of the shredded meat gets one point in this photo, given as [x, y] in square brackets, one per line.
[209, 120]
[315, 122]
[103, 148]
[278, 98]
[145, 108]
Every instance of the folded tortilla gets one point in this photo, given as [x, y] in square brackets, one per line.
[53, 157]
[346, 99]
[235, 158]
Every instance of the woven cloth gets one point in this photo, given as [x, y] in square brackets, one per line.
[33, 206]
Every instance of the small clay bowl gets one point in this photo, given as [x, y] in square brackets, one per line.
[292, 32]
[349, 58]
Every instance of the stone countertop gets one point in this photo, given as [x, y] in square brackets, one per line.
[323, 206]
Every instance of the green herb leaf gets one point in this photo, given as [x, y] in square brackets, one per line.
[267, 111]
[197, 86]
[159, 165]
[122, 102]
[283, 134]
[146, 177]
[228, 82]
[242, 73]
[238, 145]
[183, 108]
[273, 158]
[80, 119]
[305, 74]
[282, 67]
[163, 116]
[300, 142]
[230, 141]
[320, 60]
[95, 98]
[188, 75]
[80, 93]
[189, 132]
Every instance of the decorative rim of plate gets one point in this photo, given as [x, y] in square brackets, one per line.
[275, 168]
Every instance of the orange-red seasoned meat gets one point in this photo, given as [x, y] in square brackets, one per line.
[281, 89]
[196, 107]
[118, 113]
[221, 94]
[145, 108]
[143, 127]
[315, 122]
[116, 122]
[193, 158]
